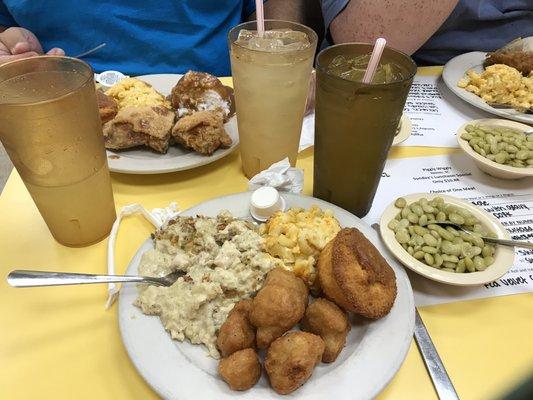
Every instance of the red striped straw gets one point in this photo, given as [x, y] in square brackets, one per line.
[374, 60]
[260, 17]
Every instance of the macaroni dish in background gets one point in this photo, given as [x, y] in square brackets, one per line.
[501, 84]
[297, 236]
[134, 92]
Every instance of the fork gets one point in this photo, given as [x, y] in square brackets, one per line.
[27, 278]
[505, 242]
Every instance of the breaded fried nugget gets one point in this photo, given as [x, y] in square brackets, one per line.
[291, 359]
[325, 319]
[202, 132]
[278, 306]
[236, 333]
[354, 275]
[241, 370]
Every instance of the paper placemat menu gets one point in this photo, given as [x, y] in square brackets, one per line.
[511, 201]
[436, 113]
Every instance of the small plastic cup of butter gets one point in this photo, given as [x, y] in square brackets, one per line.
[264, 202]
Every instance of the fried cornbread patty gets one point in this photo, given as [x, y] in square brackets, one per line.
[354, 275]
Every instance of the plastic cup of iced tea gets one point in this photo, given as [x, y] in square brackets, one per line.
[51, 130]
[271, 81]
[355, 123]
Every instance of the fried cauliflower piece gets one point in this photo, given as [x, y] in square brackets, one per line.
[236, 333]
[291, 359]
[241, 370]
[325, 319]
[278, 306]
[202, 132]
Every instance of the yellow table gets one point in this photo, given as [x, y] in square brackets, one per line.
[60, 343]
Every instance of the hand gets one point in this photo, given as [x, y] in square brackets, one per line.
[17, 43]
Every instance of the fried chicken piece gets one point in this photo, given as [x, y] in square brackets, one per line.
[291, 359]
[202, 132]
[107, 106]
[355, 276]
[140, 126]
[521, 60]
[236, 333]
[325, 319]
[241, 370]
[200, 91]
[278, 306]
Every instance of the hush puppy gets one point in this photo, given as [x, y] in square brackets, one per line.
[241, 370]
[236, 333]
[291, 359]
[326, 319]
[278, 306]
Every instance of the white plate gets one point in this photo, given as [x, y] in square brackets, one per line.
[491, 167]
[503, 258]
[374, 352]
[145, 161]
[405, 130]
[456, 68]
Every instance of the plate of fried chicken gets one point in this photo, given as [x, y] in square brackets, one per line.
[344, 341]
[167, 122]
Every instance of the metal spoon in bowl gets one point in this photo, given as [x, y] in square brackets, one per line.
[25, 278]
[505, 242]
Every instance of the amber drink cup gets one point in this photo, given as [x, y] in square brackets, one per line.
[355, 124]
[50, 127]
[271, 85]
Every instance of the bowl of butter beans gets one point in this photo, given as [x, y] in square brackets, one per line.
[414, 229]
[500, 148]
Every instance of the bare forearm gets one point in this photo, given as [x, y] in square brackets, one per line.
[406, 24]
[287, 10]
[2, 28]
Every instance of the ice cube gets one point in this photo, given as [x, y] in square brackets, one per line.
[273, 40]
[245, 35]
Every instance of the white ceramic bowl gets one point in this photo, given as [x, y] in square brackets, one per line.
[503, 256]
[486, 165]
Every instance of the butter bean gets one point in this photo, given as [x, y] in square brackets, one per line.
[479, 263]
[400, 202]
[402, 236]
[413, 218]
[429, 249]
[430, 240]
[392, 224]
[419, 230]
[441, 217]
[456, 219]
[469, 263]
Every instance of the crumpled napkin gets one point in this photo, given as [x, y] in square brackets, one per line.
[157, 217]
[281, 176]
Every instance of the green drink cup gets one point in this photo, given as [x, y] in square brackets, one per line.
[355, 123]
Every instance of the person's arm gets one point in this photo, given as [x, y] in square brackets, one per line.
[406, 24]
